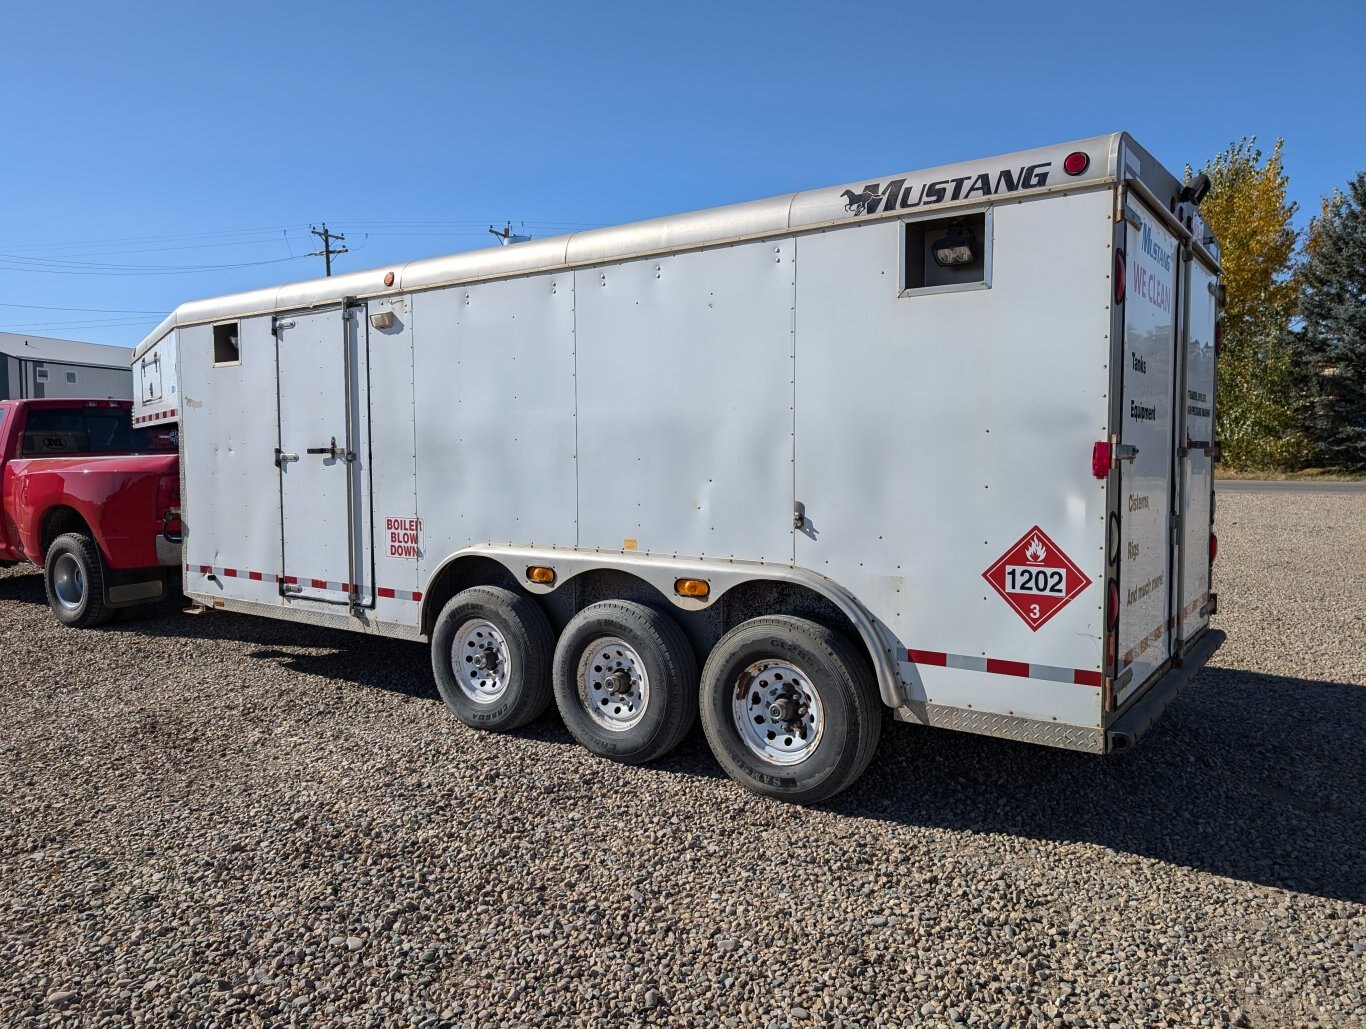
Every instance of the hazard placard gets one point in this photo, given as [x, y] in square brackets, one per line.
[1036, 578]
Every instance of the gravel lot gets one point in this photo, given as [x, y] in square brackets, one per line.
[221, 820]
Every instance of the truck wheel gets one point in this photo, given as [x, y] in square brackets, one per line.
[73, 573]
[790, 709]
[625, 681]
[491, 658]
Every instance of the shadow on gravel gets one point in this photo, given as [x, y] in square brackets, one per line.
[1255, 777]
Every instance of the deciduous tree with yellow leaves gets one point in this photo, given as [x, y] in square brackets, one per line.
[1247, 209]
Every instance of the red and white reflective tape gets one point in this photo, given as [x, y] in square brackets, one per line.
[294, 580]
[1156, 635]
[1022, 669]
[158, 416]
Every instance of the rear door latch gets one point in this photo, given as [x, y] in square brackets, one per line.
[331, 451]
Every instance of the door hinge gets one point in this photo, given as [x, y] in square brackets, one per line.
[1125, 451]
[288, 588]
[283, 458]
[799, 516]
[276, 324]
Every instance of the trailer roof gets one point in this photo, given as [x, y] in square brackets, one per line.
[1028, 172]
[63, 351]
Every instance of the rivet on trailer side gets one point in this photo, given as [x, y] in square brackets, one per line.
[935, 443]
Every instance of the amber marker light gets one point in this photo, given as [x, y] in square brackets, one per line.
[388, 278]
[541, 574]
[698, 589]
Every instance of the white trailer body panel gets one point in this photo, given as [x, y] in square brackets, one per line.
[783, 394]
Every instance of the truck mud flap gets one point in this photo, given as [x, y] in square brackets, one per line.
[1138, 719]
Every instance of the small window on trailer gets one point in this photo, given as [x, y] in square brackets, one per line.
[946, 254]
[40, 374]
[226, 348]
[70, 376]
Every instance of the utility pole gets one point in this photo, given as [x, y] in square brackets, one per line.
[327, 253]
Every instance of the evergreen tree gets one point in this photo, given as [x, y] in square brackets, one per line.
[1332, 338]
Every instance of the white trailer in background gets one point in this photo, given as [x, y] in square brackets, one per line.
[938, 442]
[37, 367]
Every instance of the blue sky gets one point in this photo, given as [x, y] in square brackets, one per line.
[156, 153]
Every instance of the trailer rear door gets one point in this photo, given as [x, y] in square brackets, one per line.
[1146, 441]
[1196, 418]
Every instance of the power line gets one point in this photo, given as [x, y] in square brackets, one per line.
[92, 310]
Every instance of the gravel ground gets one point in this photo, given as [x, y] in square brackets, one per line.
[219, 820]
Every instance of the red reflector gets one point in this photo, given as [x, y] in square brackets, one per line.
[1100, 460]
[1218, 337]
[1075, 163]
[1112, 604]
[1213, 547]
[1119, 276]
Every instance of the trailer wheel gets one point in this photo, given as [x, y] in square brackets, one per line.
[789, 709]
[73, 574]
[625, 681]
[491, 658]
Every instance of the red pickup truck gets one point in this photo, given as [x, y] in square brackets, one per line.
[91, 500]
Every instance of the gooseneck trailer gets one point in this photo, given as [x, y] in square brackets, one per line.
[938, 443]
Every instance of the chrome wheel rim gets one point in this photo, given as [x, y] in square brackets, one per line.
[777, 712]
[68, 583]
[481, 661]
[613, 686]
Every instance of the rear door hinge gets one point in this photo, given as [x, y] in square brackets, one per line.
[276, 324]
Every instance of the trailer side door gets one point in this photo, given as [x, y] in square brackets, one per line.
[324, 457]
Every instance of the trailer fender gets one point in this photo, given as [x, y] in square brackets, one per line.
[662, 572]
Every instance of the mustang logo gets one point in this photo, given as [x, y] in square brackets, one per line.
[858, 202]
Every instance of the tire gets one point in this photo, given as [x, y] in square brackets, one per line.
[829, 700]
[625, 681]
[73, 576]
[511, 636]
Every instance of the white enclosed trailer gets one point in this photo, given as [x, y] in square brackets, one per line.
[939, 442]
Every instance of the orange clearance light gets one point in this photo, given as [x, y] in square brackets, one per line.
[539, 573]
[695, 588]
[388, 278]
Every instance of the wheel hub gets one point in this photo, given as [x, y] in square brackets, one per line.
[68, 584]
[481, 661]
[613, 685]
[777, 712]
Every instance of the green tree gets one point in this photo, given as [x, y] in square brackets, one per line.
[1332, 337]
[1256, 403]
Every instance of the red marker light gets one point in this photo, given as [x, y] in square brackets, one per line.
[1076, 162]
[1112, 605]
[1213, 547]
[1120, 275]
[1218, 337]
[1100, 460]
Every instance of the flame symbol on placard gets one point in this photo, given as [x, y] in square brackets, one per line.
[1035, 552]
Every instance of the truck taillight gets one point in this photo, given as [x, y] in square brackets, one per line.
[1119, 276]
[1112, 605]
[1213, 547]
